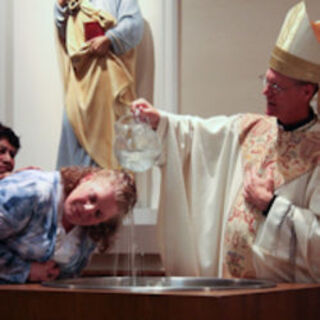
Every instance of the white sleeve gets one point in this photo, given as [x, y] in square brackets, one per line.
[180, 130]
[287, 247]
[197, 159]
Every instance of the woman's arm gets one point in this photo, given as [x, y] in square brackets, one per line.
[43, 271]
[13, 269]
[27, 222]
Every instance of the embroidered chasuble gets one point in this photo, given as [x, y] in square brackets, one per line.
[285, 155]
[206, 228]
[97, 89]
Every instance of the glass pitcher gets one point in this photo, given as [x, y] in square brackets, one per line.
[137, 147]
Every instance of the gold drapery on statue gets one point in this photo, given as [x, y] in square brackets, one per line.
[97, 89]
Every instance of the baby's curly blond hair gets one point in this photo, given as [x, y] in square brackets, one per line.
[125, 196]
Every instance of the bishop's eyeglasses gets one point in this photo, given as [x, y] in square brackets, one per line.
[275, 87]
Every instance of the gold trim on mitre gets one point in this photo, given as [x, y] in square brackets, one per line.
[297, 50]
[293, 66]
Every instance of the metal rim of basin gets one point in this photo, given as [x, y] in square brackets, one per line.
[159, 284]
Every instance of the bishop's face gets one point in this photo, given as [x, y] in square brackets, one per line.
[287, 99]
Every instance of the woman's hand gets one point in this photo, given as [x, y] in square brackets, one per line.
[43, 271]
[146, 112]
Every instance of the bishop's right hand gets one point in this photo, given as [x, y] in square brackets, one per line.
[146, 112]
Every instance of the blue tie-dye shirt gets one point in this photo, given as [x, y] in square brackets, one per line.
[29, 203]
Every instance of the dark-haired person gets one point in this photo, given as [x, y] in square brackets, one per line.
[9, 146]
[50, 222]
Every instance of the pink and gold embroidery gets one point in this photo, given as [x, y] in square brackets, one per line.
[267, 147]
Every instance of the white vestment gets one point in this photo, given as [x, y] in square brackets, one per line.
[203, 222]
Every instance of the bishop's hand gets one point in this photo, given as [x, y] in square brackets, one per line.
[258, 190]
